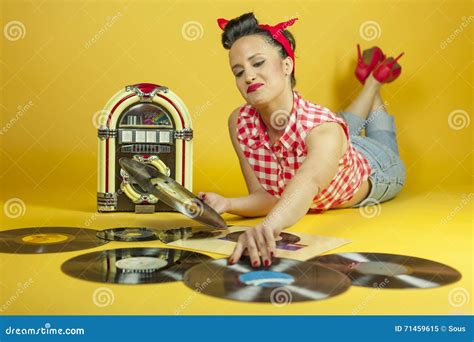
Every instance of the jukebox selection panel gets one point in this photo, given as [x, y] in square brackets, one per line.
[145, 128]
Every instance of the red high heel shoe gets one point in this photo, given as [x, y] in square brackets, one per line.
[388, 70]
[367, 62]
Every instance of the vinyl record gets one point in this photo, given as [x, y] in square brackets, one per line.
[283, 240]
[133, 265]
[129, 234]
[283, 282]
[171, 192]
[390, 271]
[187, 233]
[38, 240]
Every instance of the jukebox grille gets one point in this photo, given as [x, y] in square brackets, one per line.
[142, 148]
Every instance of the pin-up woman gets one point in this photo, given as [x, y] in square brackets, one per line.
[297, 156]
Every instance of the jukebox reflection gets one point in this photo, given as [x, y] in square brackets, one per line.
[153, 126]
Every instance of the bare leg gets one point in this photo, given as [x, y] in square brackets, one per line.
[378, 104]
[380, 125]
[364, 102]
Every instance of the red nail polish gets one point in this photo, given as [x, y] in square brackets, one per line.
[266, 262]
[255, 263]
[271, 254]
[231, 261]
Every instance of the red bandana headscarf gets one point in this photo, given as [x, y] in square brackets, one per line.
[275, 32]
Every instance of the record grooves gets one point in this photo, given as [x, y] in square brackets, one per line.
[129, 234]
[150, 234]
[38, 240]
[285, 280]
[390, 270]
[133, 265]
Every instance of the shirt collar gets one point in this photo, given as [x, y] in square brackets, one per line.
[258, 134]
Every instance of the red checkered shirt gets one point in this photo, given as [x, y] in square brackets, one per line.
[275, 165]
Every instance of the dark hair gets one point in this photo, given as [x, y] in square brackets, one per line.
[247, 25]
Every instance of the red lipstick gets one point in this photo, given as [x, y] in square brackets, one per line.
[254, 87]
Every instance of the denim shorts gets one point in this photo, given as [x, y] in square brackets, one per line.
[379, 146]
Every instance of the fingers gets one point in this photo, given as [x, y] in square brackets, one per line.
[263, 248]
[238, 250]
[202, 195]
[258, 243]
[271, 243]
[253, 251]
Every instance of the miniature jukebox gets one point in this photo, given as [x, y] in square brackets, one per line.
[150, 124]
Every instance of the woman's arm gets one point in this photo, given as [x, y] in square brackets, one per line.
[254, 205]
[326, 144]
[258, 202]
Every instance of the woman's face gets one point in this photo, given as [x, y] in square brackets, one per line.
[260, 72]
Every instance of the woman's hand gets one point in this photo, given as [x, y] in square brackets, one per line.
[259, 243]
[215, 201]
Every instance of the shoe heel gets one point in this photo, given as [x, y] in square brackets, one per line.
[364, 67]
[392, 62]
[359, 54]
[386, 72]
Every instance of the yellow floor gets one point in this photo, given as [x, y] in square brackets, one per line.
[435, 225]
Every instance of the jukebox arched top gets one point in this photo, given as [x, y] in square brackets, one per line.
[148, 123]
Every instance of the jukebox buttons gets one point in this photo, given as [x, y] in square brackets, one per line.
[132, 190]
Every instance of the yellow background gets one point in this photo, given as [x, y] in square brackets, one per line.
[76, 54]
